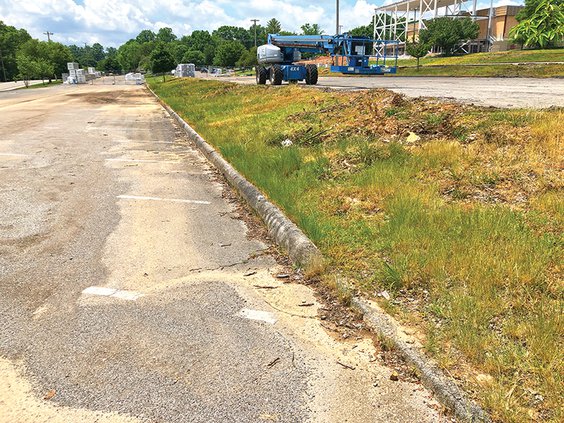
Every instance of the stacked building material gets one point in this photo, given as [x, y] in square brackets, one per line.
[76, 75]
[185, 70]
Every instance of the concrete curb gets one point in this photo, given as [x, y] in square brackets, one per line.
[304, 253]
[448, 393]
[284, 232]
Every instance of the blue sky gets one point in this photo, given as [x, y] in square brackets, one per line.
[112, 22]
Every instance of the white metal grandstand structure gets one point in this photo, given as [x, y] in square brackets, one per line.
[396, 21]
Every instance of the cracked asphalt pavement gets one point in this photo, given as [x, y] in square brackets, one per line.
[131, 291]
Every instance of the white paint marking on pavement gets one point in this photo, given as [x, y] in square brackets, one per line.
[99, 290]
[13, 155]
[112, 292]
[172, 200]
[142, 161]
[263, 316]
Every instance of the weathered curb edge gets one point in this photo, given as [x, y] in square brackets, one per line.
[303, 252]
[284, 232]
[448, 393]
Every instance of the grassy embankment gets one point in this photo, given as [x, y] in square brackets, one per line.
[489, 64]
[463, 226]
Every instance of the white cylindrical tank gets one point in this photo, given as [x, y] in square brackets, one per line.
[269, 53]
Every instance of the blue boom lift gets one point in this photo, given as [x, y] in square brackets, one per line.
[279, 59]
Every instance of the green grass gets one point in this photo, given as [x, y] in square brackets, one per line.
[511, 56]
[463, 226]
[42, 85]
[507, 71]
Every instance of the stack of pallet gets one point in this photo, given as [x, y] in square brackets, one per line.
[76, 75]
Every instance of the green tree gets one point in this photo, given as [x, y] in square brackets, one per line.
[51, 57]
[27, 67]
[194, 56]
[311, 29]
[146, 36]
[45, 69]
[541, 24]
[111, 51]
[59, 55]
[228, 52]
[445, 32]
[248, 58]
[129, 55]
[234, 33]
[165, 35]
[11, 39]
[161, 61]
[98, 52]
[178, 50]
[198, 40]
[273, 26]
[417, 49]
[109, 65]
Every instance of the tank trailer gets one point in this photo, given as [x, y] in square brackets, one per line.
[279, 60]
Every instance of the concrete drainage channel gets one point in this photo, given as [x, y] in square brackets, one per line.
[303, 252]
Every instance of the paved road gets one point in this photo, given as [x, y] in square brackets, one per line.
[498, 92]
[124, 295]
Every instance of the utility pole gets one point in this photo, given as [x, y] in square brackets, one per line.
[48, 35]
[338, 27]
[254, 21]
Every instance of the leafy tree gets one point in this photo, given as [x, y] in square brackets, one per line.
[248, 58]
[273, 26]
[58, 55]
[45, 69]
[228, 52]
[165, 35]
[98, 52]
[10, 40]
[27, 67]
[363, 31]
[417, 49]
[83, 55]
[209, 52]
[262, 35]
[109, 65]
[445, 33]
[541, 26]
[311, 29]
[111, 51]
[51, 57]
[178, 50]
[234, 33]
[161, 61]
[198, 40]
[194, 56]
[129, 55]
[146, 36]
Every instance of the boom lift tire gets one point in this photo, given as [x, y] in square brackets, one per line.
[311, 75]
[262, 75]
[276, 75]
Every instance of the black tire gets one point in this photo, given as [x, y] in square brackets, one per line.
[311, 75]
[262, 75]
[276, 75]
